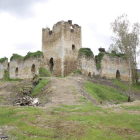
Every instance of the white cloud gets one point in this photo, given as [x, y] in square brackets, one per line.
[94, 17]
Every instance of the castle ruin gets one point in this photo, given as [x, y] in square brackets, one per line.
[60, 55]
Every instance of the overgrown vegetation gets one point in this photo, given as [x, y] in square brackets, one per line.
[29, 54]
[33, 54]
[44, 73]
[16, 57]
[122, 55]
[37, 90]
[99, 59]
[104, 93]
[77, 71]
[6, 77]
[87, 52]
[3, 59]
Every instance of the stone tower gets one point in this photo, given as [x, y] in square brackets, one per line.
[60, 47]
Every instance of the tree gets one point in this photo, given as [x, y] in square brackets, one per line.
[126, 40]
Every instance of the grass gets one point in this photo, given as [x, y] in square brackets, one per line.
[29, 55]
[16, 57]
[117, 54]
[125, 87]
[104, 93]
[77, 71]
[44, 73]
[86, 52]
[37, 90]
[33, 54]
[3, 59]
[72, 122]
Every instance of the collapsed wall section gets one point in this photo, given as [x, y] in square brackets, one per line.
[3, 66]
[114, 67]
[86, 62]
[25, 68]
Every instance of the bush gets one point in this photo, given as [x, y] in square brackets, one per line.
[3, 59]
[44, 73]
[86, 52]
[77, 71]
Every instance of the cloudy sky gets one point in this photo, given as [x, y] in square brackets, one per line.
[21, 21]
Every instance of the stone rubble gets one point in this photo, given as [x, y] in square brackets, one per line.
[26, 101]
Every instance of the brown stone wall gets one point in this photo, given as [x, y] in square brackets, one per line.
[110, 65]
[3, 67]
[86, 65]
[24, 68]
[57, 44]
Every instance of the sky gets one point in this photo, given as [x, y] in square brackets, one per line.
[21, 21]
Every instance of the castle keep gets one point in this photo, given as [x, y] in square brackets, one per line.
[62, 53]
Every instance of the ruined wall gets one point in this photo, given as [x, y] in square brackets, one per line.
[86, 65]
[111, 65]
[72, 44]
[57, 45]
[24, 68]
[3, 67]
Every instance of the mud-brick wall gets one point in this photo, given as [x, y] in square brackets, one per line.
[111, 64]
[3, 67]
[86, 65]
[25, 68]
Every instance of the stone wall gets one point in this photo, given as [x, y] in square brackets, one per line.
[111, 66]
[3, 67]
[61, 45]
[24, 68]
[86, 65]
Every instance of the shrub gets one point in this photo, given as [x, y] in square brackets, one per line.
[77, 71]
[3, 59]
[44, 73]
[86, 52]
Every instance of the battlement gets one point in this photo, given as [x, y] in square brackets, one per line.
[61, 27]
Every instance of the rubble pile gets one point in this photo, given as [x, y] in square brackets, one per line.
[26, 101]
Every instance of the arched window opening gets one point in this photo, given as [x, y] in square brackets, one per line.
[73, 47]
[89, 74]
[117, 74]
[16, 71]
[33, 69]
[51, 65]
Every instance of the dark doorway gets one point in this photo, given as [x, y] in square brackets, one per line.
[89, 74]
[16, 71]
[33, 69]
[117, 74]
[73, 47]
[51, 65]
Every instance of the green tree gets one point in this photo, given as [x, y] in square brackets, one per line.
[126, 40]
